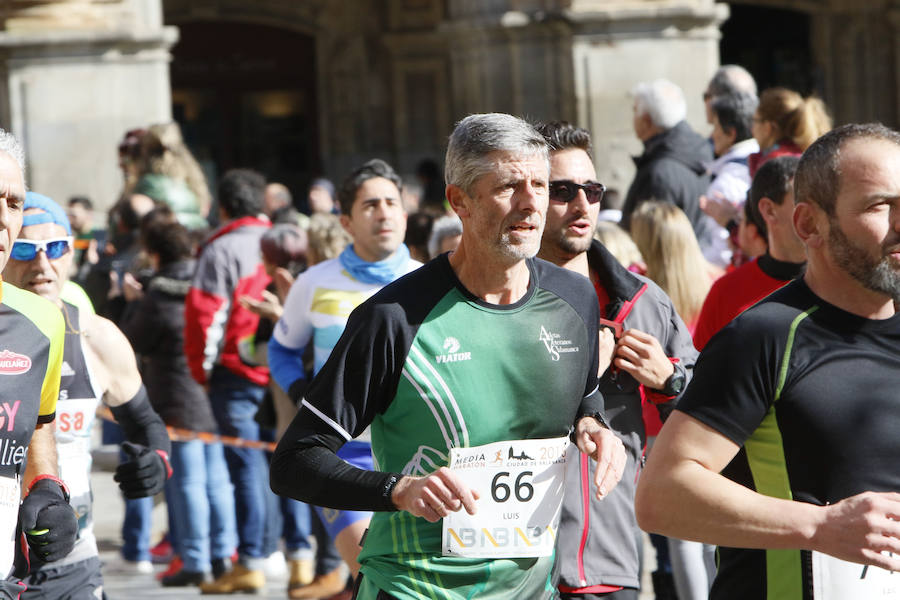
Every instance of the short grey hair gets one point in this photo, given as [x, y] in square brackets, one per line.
[478, 135]
[444, 227]
[11, 145]
[662, 101]
[731, 79]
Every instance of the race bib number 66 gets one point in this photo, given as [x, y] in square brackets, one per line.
[521, 484]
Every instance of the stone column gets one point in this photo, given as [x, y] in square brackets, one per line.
[577, 60]
[74, 76]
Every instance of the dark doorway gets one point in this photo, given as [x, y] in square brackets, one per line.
[773, 44]
[245, 96]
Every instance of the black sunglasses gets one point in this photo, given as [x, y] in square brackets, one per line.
[565, 190]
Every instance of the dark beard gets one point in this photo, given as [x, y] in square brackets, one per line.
[876, 275]
[571, 246]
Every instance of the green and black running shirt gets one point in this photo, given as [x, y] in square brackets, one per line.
[810, 392]
[31, 350]
[432, 367]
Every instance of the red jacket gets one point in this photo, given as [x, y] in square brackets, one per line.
[218, 330]
[782, 148]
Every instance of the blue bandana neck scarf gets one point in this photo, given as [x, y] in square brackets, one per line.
[383, 271]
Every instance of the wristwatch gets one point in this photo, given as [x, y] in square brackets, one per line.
[675, 383]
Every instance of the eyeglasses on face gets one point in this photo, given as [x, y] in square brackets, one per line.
[566, 191]
[53, 248]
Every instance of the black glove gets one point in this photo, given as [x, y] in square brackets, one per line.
[11, 588]
[49, 523]
[144, 474]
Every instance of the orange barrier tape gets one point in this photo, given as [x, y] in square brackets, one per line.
[177, 434]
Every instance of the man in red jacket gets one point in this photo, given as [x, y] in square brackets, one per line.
[771, 206]
[219, 335]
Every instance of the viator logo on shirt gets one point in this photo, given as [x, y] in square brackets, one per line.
[451, 347]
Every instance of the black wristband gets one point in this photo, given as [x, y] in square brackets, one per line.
[388, 489]
[597, 415]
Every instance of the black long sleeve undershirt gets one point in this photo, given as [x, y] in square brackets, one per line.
[306, 467]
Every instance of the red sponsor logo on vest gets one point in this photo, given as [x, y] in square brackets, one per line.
[13, 364]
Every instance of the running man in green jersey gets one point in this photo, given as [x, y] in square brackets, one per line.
[472, 371]
[31, 349]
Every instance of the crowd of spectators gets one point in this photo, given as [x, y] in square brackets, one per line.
[198, 281]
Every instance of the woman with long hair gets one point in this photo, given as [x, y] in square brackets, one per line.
[786, 124]
[674, 261]
[169, 174]
[673, 257]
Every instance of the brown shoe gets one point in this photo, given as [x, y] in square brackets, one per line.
[301, 572]
[322, 586]
[238, 579]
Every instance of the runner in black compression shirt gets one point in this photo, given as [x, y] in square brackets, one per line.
[803, 389]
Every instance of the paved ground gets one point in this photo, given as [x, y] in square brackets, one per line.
[108, 511]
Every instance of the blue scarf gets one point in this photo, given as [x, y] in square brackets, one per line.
[383, 271]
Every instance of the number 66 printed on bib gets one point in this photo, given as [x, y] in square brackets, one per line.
[518, 517]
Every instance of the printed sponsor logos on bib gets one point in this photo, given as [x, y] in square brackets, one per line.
[555, 344]
[451, 347]
[12, 363]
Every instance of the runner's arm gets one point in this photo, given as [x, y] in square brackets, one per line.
[684, 471]
[306, 467]
[41, 453]
[146, 468]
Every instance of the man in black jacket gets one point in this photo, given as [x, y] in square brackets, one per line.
[673, 165]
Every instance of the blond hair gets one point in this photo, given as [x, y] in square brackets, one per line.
[619, 243]
[801, 120]
[163, 152]
[327, 239]
[674, 261]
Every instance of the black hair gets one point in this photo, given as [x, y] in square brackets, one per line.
[241, 193]
[735, 113]
[561, 135]
[370, 170]
[773, 181]
[162, 234]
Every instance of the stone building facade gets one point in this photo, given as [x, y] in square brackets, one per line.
[299, 88]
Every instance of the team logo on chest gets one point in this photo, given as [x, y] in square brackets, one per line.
[555, 344]
[452, 352]
[12, 363]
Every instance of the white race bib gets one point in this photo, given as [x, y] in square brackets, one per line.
[836, 579]
[521, 484]
[10, 496]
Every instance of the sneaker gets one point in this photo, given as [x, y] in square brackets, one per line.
[300, 572]
[238, 579]
[123, 566]
[163, 552]
[322, 586]
[183, 578]
[175, 566]
[275, 566]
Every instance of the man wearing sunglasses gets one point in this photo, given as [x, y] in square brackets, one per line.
[31, 348]
[653, 358]
[98, 364]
